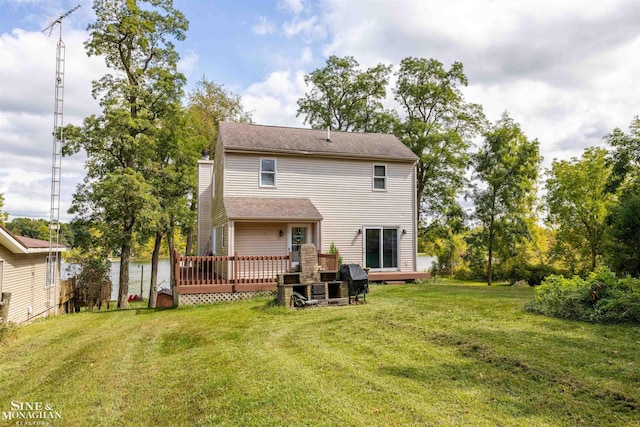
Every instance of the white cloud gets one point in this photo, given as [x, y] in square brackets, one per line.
[188, 63]
[567, 72]
[308, 28]
[293, 6]
[263, 27]
[27, 73]
[274, 100]
[306, 56]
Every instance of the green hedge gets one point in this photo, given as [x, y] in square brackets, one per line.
[601, 298]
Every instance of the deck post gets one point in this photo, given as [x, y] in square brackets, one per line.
[175, 280]
[235, 266]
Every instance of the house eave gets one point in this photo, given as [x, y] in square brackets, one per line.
[297, 153]
[275, 220]
[14, 246]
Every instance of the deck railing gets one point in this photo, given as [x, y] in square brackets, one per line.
[237, 273]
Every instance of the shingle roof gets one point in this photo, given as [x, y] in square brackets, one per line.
[21, 244]
[271, 208]
[274, 139]
[29, 242]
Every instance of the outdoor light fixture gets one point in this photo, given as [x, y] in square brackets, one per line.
[359, 230]
[404, 231]
[281, 233]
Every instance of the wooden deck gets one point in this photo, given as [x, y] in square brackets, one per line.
[393, 276]
[237, 273]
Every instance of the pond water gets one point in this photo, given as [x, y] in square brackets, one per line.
[139, 276]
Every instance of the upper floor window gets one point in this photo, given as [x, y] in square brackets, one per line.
[267, 172]
[379, 177]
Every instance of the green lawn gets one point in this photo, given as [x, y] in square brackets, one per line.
[446, 354]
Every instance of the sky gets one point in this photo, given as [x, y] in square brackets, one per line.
[568, 71]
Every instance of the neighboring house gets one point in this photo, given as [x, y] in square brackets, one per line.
[23, 267]
[270, 189]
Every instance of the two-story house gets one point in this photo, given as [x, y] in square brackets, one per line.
[270, 189]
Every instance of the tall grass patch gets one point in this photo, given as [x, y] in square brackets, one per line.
[600, 298]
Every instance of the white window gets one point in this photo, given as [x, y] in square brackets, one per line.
[268, 172]
[50, 272]
[222, 235]
[214, 241]
[379, 177]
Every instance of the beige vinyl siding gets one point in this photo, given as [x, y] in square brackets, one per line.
[205, 202]
[342, 190]
[260, 238]
[218, 215]
[24, 277]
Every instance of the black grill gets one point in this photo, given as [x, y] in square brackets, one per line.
[357, 279]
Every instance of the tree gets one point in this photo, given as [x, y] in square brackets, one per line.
[27, 227]
[144, 88]
[623, 222]
[438, 128]
[173, 178]
[4, 216]
[577, 203]
[346, 99]
[507, 169]
[208, 104]
[624, 157]
[623, 249]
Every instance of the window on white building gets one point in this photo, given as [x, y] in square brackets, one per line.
[379, 177]
[267, 172]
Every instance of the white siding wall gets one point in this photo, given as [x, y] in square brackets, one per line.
[260, 238]
[342, 191]
[205, 202]
[24, 277]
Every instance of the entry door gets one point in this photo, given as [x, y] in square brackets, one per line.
[298, 235]
[381, 248]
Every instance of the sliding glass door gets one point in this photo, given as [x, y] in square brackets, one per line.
[381, 248]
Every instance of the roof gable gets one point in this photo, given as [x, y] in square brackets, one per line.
[295, 141]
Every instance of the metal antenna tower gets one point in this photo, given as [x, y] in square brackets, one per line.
[56, 166]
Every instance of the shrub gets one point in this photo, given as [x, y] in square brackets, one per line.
[600, 298]
[91, 271]
[334, 250]
[533, 274]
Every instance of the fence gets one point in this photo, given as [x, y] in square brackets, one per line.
[67, 295]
